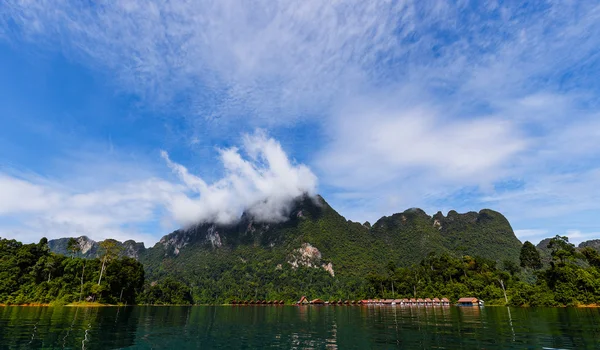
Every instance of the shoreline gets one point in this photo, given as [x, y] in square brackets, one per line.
[88, 304]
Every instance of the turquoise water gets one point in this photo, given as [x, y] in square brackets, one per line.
[293, 327]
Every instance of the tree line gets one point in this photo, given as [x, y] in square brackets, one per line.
[30, 273]
[571, 278]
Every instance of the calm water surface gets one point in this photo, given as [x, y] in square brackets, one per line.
[292, 327]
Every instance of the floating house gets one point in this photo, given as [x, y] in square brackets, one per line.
[436, 302]
[303, 301]
[428, 302]
[468, 301]
[445, 302]
[317, 302]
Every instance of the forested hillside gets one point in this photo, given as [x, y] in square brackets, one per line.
[318, 252]
[30, 273]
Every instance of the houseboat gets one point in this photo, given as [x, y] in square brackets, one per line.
[469, 301]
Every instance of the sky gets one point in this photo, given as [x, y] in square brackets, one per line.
[130, 119]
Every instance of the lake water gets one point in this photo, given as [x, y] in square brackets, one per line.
[293, 327]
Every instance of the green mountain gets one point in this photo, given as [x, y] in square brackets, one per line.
[89, 248]
[316, 251]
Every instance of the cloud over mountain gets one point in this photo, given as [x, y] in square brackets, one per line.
[264, 184]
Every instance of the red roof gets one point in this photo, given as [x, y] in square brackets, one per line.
[467, 300]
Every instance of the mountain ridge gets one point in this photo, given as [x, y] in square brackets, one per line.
[455, 233]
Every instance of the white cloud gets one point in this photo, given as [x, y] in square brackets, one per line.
[264, 184]
[374, 147]
[45, 209]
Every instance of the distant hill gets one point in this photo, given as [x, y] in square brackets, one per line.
[594, 243]
[316, 250]
[545, 251]
[91, 249]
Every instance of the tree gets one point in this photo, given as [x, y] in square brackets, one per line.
[110, 250]
[530, 257]
[73, 247]
[511, 266]
[561, 249]
[592, 256]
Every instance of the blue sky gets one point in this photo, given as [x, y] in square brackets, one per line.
[130, 119]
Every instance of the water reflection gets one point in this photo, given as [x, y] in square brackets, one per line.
[66, 327]
[305, 327]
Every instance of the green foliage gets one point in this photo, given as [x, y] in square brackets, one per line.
[565, 284]
[30, 273]
[592, 256]
[73, 247]
[167, 292]
[443, 276]
[530, 257]
[561, 250]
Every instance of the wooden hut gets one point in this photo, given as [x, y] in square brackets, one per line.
[445, 302]
[387, 301]
[428, 302]
[420, 301]
[436, 301]
[317, 302]
[413, 301]
[303, 301]
[468, 301]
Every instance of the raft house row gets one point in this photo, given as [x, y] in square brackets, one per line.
[401, 302]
